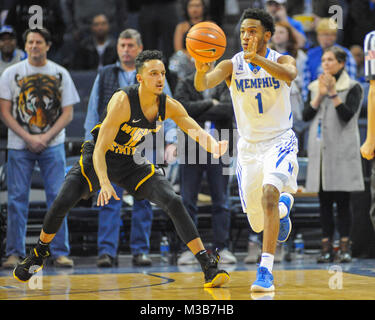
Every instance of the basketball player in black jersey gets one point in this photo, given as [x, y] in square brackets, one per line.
[131, 114]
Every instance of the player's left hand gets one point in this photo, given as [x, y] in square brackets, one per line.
[220, 148]
[251, 49]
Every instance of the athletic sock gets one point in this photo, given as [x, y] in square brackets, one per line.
[267, 261]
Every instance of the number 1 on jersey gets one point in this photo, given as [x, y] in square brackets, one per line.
[260, 104]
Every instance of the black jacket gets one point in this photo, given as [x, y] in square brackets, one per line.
[87, 57]
[201, 109]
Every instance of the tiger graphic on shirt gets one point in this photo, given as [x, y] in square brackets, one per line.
[38, 104]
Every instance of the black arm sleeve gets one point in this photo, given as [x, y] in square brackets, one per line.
[308, 112]
[347, 109]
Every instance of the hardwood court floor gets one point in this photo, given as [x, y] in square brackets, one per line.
[307, 281]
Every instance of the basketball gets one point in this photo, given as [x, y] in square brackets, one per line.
[206, 42]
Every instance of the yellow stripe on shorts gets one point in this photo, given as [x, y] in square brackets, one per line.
[146, 177]
[84, 174]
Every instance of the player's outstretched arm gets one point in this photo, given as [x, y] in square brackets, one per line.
[206, 79]
[284, 69]
[176, 112]
[118, 111]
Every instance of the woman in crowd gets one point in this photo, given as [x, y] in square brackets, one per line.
[334, 166]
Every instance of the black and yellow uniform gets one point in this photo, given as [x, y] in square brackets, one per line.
[122, 169]
[141, 180]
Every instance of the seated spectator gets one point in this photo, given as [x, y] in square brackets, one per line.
[97, 50]
[326, 35]
[334, 167]
[10, 54]
[277, 9]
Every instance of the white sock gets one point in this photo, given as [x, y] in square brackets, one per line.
[267, 261]
[283, 210]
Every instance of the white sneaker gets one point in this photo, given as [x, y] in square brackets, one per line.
[254, 252]
[187, 258]
[227, 257]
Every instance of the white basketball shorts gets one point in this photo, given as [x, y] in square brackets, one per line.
[271, 162]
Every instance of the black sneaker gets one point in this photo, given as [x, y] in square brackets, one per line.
[30, 265]
[213, 277]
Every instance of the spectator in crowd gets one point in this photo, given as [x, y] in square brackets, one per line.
[110, 78]
[195, 11]
[157, 22]
[36, 103]
[98, 49]
[284, 41]
[368, 147]
[334, 167]
[361, 20]
[277, 9]
[10, 54]
[51, 18]
[211, 110]
[359, 57]
[326, 35]
[79, 15]
[181, 64]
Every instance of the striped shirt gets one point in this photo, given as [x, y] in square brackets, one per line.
[369, 49]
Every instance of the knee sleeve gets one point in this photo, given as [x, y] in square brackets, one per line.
[182, 221]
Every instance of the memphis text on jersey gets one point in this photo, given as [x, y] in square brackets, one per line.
[257, 83]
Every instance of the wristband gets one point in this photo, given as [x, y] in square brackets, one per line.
[333, 97]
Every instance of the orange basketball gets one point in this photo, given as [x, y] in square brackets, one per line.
[206, 41]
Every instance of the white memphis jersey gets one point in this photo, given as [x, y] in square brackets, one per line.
[261, 102]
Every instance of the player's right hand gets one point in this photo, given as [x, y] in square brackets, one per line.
[368, 150]
[203, 67]
[106, 194]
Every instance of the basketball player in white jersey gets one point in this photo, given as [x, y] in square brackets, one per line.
[259, 80]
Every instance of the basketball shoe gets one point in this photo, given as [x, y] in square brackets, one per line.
[213, 277]
[32, 263]
[285, 223]
[264, 281]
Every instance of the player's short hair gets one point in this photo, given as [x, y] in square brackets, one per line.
[42, 31]
[263, 16]
[338, 52]
[131, 34]
[145, 56]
